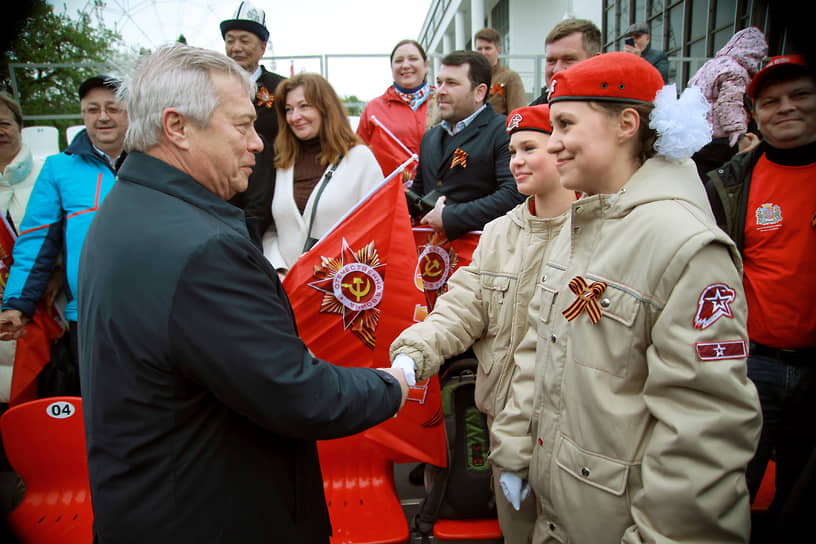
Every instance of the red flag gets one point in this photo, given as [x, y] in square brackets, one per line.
[389, 151]
[438, 258]
[33, 350]
[352, 294]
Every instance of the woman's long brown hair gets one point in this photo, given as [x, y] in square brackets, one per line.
[336, 136]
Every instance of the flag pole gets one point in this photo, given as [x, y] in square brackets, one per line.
[379, 186]
[385, 128]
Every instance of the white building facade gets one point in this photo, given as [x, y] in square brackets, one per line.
[523, 24]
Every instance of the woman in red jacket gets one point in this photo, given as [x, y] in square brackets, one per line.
[404, 110]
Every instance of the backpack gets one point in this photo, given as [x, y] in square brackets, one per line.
[463, 489]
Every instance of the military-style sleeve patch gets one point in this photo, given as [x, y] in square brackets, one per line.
[714, 351]
[714, 303]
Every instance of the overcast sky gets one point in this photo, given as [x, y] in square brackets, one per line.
[296, 27]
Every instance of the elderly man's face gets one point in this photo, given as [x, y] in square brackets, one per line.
[786, 112]
[245, 48]
[563, 53]
[223, 152]
[10, 133]
[105, 118]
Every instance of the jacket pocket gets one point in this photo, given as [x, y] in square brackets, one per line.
[495, 296]
[602, 472]
[493, 351]
[609, 345]
[593, 493]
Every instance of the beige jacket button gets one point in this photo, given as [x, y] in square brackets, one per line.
[606, 302]
[585, 472]
[553, 338]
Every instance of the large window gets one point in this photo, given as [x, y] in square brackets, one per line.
[500, 18]
[689, 31]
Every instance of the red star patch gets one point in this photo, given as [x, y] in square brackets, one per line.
[714, 303]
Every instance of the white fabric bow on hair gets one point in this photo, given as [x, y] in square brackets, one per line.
[681, 124]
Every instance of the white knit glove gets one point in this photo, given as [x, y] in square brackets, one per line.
[514, 489]
[408, 367]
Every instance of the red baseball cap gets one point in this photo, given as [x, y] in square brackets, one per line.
[773, 65]
[530, 118]
[610, 77]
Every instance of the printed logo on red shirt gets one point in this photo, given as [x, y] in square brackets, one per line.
[714, 303]
[768, 217]
[714, 351]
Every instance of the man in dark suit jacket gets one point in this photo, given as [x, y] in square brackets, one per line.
[465, 158]
[201, 404]
[245, 37]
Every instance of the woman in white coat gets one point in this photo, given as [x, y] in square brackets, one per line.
[18, 172]
[322, 168]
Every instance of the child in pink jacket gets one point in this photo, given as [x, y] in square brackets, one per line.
[723, 81]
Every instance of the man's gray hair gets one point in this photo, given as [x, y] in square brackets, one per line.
[174, 76]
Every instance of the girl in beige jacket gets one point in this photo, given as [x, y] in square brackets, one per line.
[642, 419]
[486, 302]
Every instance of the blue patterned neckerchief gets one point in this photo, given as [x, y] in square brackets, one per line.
[414, 97]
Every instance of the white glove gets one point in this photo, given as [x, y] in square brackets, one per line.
[513, 489]
[408, 367]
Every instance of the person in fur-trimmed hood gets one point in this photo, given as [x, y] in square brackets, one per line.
[643, 418]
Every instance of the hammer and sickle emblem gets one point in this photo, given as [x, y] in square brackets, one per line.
[355, 289]
[432, 268]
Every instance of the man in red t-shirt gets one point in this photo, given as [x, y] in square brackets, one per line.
[766, 200]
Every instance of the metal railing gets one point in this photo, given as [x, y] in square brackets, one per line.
[529, 67]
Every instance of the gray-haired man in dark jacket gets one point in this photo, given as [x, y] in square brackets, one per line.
[202, 405]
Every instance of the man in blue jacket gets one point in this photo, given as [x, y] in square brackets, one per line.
[66, 195]
[201, 404]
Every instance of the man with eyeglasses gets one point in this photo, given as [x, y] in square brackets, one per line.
[66, 195]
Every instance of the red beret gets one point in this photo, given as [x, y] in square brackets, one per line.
[611, 77]
[772, 66]
[530, 118]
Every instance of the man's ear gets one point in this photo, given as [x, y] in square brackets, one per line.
[481, 92]
[176, 128]
[628, 124]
